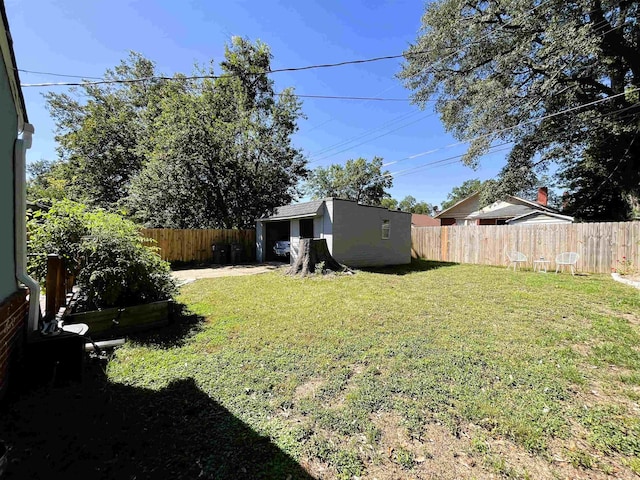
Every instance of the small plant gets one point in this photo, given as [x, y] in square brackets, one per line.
[405, 458]
[580, 459]
[625, 267]
[113, 263]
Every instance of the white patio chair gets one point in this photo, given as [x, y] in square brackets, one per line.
[515, 258]
[567, 259]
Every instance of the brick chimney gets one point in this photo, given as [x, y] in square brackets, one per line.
[542, 196]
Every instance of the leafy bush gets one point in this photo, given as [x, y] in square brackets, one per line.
[114, 264]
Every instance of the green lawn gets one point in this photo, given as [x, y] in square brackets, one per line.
[443, 371]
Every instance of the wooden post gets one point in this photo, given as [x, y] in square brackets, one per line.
[52, 285]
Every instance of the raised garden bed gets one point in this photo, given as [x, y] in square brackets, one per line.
[116, 322]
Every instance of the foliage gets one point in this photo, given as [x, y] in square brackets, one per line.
[411, 205]
[389, 203]
[223, 154]
[103, 139]
[625, 266]
[113, 263]
[47, 181]
[59, 230]
[507, 70]
[330, 380]
[208, 153]
[357, 180]
[407, 204]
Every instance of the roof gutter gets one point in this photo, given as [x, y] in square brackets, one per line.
[20, 160]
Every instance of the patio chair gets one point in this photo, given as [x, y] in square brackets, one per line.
[567, 259]
[515, 258]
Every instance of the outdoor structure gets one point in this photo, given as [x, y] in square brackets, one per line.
[15, 307]
[357, 235]
[421, 220]
[509, 211]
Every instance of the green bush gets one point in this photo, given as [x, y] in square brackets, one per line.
[114, 265]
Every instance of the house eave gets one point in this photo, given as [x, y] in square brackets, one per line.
[6, 47]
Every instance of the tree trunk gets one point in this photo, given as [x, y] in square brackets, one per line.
[311, 252]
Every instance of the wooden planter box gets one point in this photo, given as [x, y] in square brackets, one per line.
[116, 322]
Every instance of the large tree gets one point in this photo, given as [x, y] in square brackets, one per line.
[103, 129]
[558, 79]
[411, 205]
[210, 152]
[358, 180]
[223, 154]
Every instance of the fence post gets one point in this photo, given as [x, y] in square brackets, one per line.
[53, 285]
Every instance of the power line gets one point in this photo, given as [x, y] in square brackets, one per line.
[526, 122]
[339, 97]
[324, 157]
[342, 143]
[103, 81]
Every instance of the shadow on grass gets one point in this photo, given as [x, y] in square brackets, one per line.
[184, 324]
[102, 430]
[416, 265]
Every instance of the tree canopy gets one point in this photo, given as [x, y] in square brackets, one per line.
[560, 80]
[213, 152]
[358, 180]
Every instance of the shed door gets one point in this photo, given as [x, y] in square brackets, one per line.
[306, 228]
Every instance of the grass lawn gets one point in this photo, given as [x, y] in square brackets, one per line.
[433, 371]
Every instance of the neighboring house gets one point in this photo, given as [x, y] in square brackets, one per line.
[509, 211]
[357, 235]
[15, 307]
[420, 220]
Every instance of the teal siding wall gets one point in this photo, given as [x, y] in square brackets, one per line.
[8, 133]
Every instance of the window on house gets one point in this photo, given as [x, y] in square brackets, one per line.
[386, 229]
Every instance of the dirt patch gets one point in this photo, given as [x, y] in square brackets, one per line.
[308, 388]
[217, 271]
[475, 454]
[629, 317]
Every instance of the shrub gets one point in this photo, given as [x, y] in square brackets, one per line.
[115, 266]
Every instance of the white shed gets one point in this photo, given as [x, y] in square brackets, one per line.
[357, 235]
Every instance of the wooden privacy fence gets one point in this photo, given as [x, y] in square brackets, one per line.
[600, 245]
[195, 244]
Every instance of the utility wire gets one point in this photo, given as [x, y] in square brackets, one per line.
[502, 26]
[506, 129]
[103, 81]
[324, 157]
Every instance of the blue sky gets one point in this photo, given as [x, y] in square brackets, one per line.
[82, 37]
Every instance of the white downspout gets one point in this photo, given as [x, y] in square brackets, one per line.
[20, 189]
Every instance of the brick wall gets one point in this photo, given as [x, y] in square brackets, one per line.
[13, 315]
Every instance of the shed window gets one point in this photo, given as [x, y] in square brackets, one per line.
[386, 229]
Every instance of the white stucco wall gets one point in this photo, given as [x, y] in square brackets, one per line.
[294, 239]
[357, 235]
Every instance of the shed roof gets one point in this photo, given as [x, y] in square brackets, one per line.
[504, 212]
[548, 214]
[297, 210]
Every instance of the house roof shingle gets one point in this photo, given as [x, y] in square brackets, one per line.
[307, 209]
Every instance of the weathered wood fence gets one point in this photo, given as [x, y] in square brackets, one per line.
[600, 245]
[195, 244]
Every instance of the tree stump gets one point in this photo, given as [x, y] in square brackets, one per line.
[311, 252]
